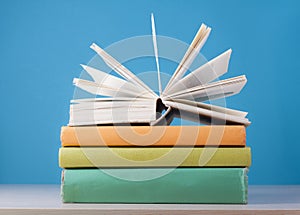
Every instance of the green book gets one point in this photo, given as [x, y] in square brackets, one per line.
[181, 185]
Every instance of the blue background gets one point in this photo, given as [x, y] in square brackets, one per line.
[43, 42]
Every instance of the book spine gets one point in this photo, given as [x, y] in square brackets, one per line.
[153, 135]
[182, 185]
[85, 157]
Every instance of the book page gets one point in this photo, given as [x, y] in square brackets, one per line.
[120, 69]
[115, 115]
[219, 89]
[109, 117]
[156, 52]
[212, 107]
[107, 99]
[106, 79]
[189, 56]
[106, 90]
[112, 104]
[204, 74]
[193, 113]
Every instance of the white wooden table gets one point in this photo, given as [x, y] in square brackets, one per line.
[45, 199]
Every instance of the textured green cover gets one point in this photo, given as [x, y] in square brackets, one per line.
[183, 185]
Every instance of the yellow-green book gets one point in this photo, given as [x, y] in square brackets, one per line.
[86, 157]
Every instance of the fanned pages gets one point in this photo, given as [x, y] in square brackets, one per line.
[190, 55]
[106, 90]
[219, 89]
[212, 107]
[204, 74]
[120, 69]
[107, 79]
[119, 101]
[186, 111]
[120, 86]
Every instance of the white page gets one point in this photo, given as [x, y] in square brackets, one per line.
[213, 92]
[120, 69]
[204, 74]
[106, 79]
[212, 107]
[233, 85]
[108, 99]
[104, 90]
[156, 52]
[209, 113]
[113, 104]
[192, 56]
[189, 56]
[84, 113]
[118, 115]
[188, 52]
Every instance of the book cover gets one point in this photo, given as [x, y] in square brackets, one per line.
[182, 185]
[153, 136]
[86, 157]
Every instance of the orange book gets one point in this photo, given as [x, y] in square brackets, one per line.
[216, 135]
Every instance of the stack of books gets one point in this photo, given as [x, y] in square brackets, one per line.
[119, 147]
[183, 164]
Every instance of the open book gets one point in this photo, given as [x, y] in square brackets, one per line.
[129, 100]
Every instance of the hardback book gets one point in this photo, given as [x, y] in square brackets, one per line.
[122, 157]
[181, 185]
[215, 135]
[125, 98]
